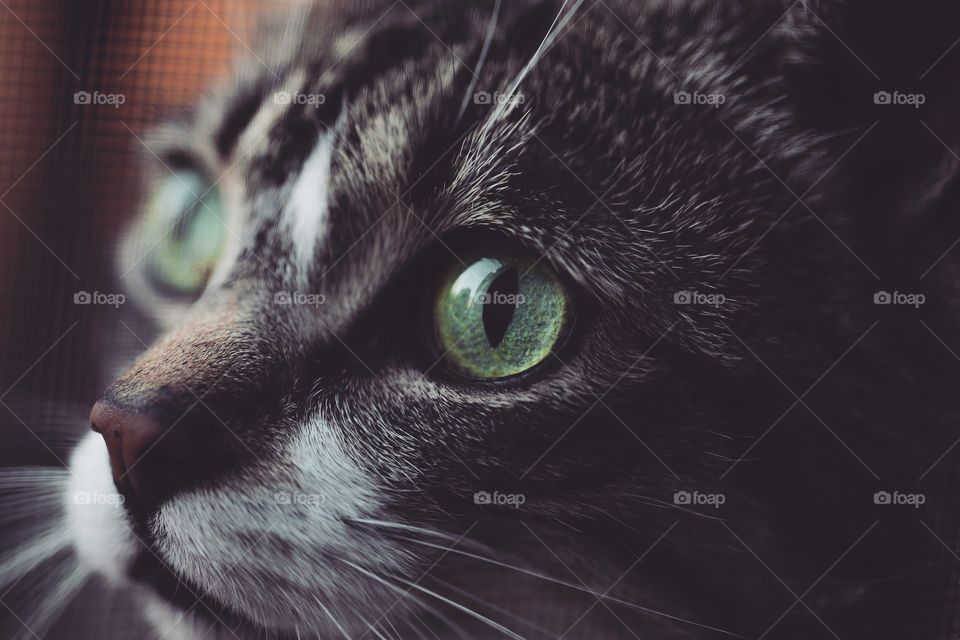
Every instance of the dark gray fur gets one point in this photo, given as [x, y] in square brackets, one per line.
[632, 198]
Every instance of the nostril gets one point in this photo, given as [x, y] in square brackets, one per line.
[130, 438]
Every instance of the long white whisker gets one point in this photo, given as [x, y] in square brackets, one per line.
[17, 507]
[20, 561]
[491, 29]
[369, 626]
[46, 613]
[413, 585]
[396, 633]
[414, 616]
[492, 606]
[576, 587]
[23, 477]
[409, 527]
[332, 619]
[31, 493]
[409, 626]
[506, 103]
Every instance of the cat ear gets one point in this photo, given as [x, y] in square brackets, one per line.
[891, 68]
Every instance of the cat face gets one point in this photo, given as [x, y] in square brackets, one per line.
[325, 430]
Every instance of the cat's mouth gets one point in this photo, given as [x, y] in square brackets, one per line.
[107, 540]
[111, 540]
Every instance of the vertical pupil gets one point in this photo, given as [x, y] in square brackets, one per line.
[500, 304]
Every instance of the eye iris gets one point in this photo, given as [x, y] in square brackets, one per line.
[500, 316]
[185, 215]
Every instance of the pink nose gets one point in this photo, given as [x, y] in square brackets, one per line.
[144, 460]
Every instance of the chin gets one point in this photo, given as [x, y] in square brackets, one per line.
[190, 577]
[103, 537]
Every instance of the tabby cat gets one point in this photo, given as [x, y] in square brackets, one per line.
[543, 319]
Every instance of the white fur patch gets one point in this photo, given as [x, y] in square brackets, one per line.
[306, 213]
[98, 522]
[268, 543]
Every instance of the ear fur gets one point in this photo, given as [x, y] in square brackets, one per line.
[891, 67]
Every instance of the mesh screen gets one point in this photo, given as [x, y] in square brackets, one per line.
[69, 179]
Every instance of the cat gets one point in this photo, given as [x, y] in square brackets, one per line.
[713, 243]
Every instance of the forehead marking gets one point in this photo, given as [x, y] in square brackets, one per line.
[271, 110]
[306, 214]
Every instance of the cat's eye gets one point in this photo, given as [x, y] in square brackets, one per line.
[500, 314]
[185, 215]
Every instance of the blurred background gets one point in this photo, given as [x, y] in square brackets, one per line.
[82, 83]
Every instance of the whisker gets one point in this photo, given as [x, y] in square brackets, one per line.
[332, 619]
[30, 493]
[18, 507]
[22, 477]
[491, 29]
[507, 103]
[492, 606]
[369, 626]
[68, 582]
[408, 627]
[577, 588]
[20, 561]
[413, 585]
[412, 528]
[59, 425]
[426, 626]
[393, 628]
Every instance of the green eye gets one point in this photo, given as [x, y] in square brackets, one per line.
[184, 218]
[500, 315]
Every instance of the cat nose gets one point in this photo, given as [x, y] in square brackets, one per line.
[150, 461]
